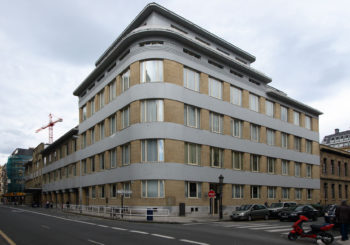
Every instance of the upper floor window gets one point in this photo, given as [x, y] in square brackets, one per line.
[191, 79]
[112, 90]
[102, 130]
[297, 143]
[237, 160]
[84, 112]
[254, 102]
[297, 169]
[254, 163]
[192, 154]
[285, 193]
[192, 116]
[308, 122]
[125, 117]
[284, 140]
[332, 167]
[151, 71]
[102, 161]
[216, 122]
[216, 157]
[236, 96]
[215, 88]
[126, 80]
[92, 135]
[126, 154]
[284, 114]
[269, 108]
[101, 97]
[308, 170]
[254, 132]
[271, 162]
[113, 158]
[152, 150]
[83, 141]
[237, 191]
[296, 120]
[308, 146]
[92, 106]
[152, 111]
[236, 126]
[285, 167]
[297, 193]
[112, 124]
[270, 137]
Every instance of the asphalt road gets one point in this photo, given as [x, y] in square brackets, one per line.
[26, 226]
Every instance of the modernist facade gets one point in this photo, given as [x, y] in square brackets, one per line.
[169, 108]
[335, 175]
[339, 139]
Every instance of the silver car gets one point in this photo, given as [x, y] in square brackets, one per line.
[250, 212]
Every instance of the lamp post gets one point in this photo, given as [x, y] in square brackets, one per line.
[221, 181]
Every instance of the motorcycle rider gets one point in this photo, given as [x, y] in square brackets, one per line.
[342, 214]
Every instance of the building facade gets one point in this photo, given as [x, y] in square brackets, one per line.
[169, 108]
[339, 140]
[3, 181]
[335, 175]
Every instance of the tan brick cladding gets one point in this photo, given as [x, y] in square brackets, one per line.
[245, 99]
[174, 151]
[134, 73]
[135, 112]
[173, 72]
[226, 92]
[173, 111]
[204, 82]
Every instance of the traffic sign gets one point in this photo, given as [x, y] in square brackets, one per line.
[211, 194]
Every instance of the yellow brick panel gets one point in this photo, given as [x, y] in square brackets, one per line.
[173, 111]
[134, 73]
[204, 80]
[173, 72]
[226, 92]
[174, 151]
[245, 99]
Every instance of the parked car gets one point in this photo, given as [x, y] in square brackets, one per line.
[329, 215]
[293, 213]
[250, 212]
[276, 207]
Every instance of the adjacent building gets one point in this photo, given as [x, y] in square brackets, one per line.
[169, 108]
[3, 182]
[339, 139]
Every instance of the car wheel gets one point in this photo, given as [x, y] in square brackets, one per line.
[266, 217]
[250, 218]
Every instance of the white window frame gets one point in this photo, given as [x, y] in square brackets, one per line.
[297, 169]
[126, 154]
[257, 187]
[297, 143]
[237, 191]
[296, 118]
[221, 157]
[145, 107]
[285, 193]
[284, 113]
[284, 140]
[308, 146]
[92, 164]
[187, 110]
[198, 189]
[271, 165]
[285, 167]
[101, 98]
[270, 137]
[93, 192]
[254, 163]
[298, 193]
[308, 122]
[271, 192]
[309, 194]
[195, 76]
[112, 124]
[189, 148]
[236, 128]
[113, 158]
[254, 102]
[84, 109]
[159, 70]
[236, 96]
[112, 90]
[92, 135]
[127, 189]
[92, 106]
[213, 86]
[101, 126]
[269, 108]
[219, 118]
[256, 128]
[125, 80]
[159, 149]
[102, 161]
[160, 189]
[237, 160]
[125, 117]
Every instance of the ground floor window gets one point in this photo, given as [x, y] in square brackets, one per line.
[237, 191]
[255, 191]
[297, 194]
[153, 188]
[309, 194]
[113, 188]
[193, 189]
[285, 193]
[271, 192]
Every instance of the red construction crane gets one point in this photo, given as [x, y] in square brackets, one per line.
[50, 126]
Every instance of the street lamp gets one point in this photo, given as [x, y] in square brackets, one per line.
[221, 182]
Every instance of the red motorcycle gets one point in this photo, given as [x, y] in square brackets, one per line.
[317, 231]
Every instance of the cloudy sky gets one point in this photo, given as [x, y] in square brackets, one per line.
[47, 48]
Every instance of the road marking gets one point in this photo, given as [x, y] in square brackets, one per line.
[252, 226]
[84, 222]
[45, 226]
[139, 232]
[195, 223]
[271, 227]
[278, 230]
[8, 240]
[162, 236]
[194, 242]
[92, 241]
[120, 229]
[104, 226]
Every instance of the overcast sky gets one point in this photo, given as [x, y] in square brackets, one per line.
[47, 48]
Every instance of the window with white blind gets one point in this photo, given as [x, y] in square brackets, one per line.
[308, 122]
[284, 140]
[236, 128]
[269, 108]
[125, 117]
[284, 113]
[152, 188]
[152, 150]
[191, 79]
[236, 96]
[297, 143]
[112, 90]
[152, 111]
[271, 165]
[215, 88]
[297, 194]
[308, 146]
[126, 154]
[216, 157]
[192, 154]
[125, 80]
[237, 191]
[297, 169]
[113, 158]
[192, 116]
[285, 193]
[151, 71]
[254, 102]
[237, 160]
[271, 192]
[285, 167]
[254, 132]
[216, 123]
[270, 137]
[102, 130]
[112, 124]
[296, 118]
[254, 163]
[101, 97]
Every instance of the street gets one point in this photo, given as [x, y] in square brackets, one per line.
[50, 226]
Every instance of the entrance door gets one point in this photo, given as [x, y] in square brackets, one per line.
[214, 208]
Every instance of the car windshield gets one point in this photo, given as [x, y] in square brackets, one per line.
[299, 208]
[244, 207]
[276, 205]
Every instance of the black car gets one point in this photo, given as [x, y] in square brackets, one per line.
[293, 213]
[329, 214]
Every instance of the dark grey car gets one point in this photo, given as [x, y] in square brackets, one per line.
[250, 212]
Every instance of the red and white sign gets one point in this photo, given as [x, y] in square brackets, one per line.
[211, 194]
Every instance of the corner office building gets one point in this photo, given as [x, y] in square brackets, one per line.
[169, 108]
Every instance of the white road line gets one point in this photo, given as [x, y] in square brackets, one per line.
[162, 236]
[84, 222]
[271, 227]
[195, 223]
[279, 230]
[104, 226]
[120, 229]
[251, 226]
[139, 232]
[228, 226]
[92, 241]
[193, 242]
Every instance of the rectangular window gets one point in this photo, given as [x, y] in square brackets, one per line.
[254, 163]
[325, 190]
[152, 111]
[215, 88]
[236, 96]
[112, 124]
[193, 189]
[297, 194]
[84, 166]
[345, 169]
[216, 123]
[192, 116]
[308, 122]
[152, 188]
[271, 162]
[237, 160]
[324, 166]
[125, 117]
[112, 90]
[102, 191]
[113, 158]
[285, 193]
[297, 143]
[92, 106]
[309, 194]
[101, 97]
[126, 80]
[236, 128]
[340, 191]
[269, 108]
[216, 157]
[102, 130]
[92, 164]
[255, 191]
[333, 191]
[152, 150]
[332, 167]
[102, 161]
[113, 189]
[296, 120]
[297, 168]
[192, 154]
[308, 170]
[83, 141]
[237, 191]
[126, 154]
[284, 114]
[346, 192]
[284, 140]
[271, 192]
[127, 189]
[270, 137]
[308, 146]
[254, 102]
[191, 79]
[151, 71]
[84, 112]
[254, 132]
[339, 168]
[92, 135]
[93, 192]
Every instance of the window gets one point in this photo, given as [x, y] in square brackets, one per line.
[254, 163]
[66, 171]
[113, 158]
[92, 163]
[112, 125]
[255, 191]
[237, 160]
[216, 157]
[101, 97]
[271, 162]
[297, 194]
[269, 108]
[270, 137]
[236, 127]
[284, 140]
[193, 189]
[297, 143]
[125, 117]
[126, 80]
[102, 161]
[83, 141]
[284, 114]
[285, 167]
[309, 194]
[152, 150]
[296, 120]
[102, 191]
[338, 168]
[102, 130]
[308, 122]
[92, 135]
[308, 146]
[215, 88]
[345, 169]
[126, 154]
[324, 166]
[84, 112]
[333, 191]
[152, 188]
[254, 102]
[113, 188]
[332, 167]
[192, 154]
[191, 79]
[308, 170]
[112, 90]
[84, 166]
[192, 116]
[127, 189]
[151, 71]
[254, 132]
[93, 192]
[92, 106]
[237, 191]
[346, 192]
[297, 168]
[285, 193]
[216, 122]
[152, 111]
[340, 191]
[271, 192]
[236, 96]
[325, 189]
